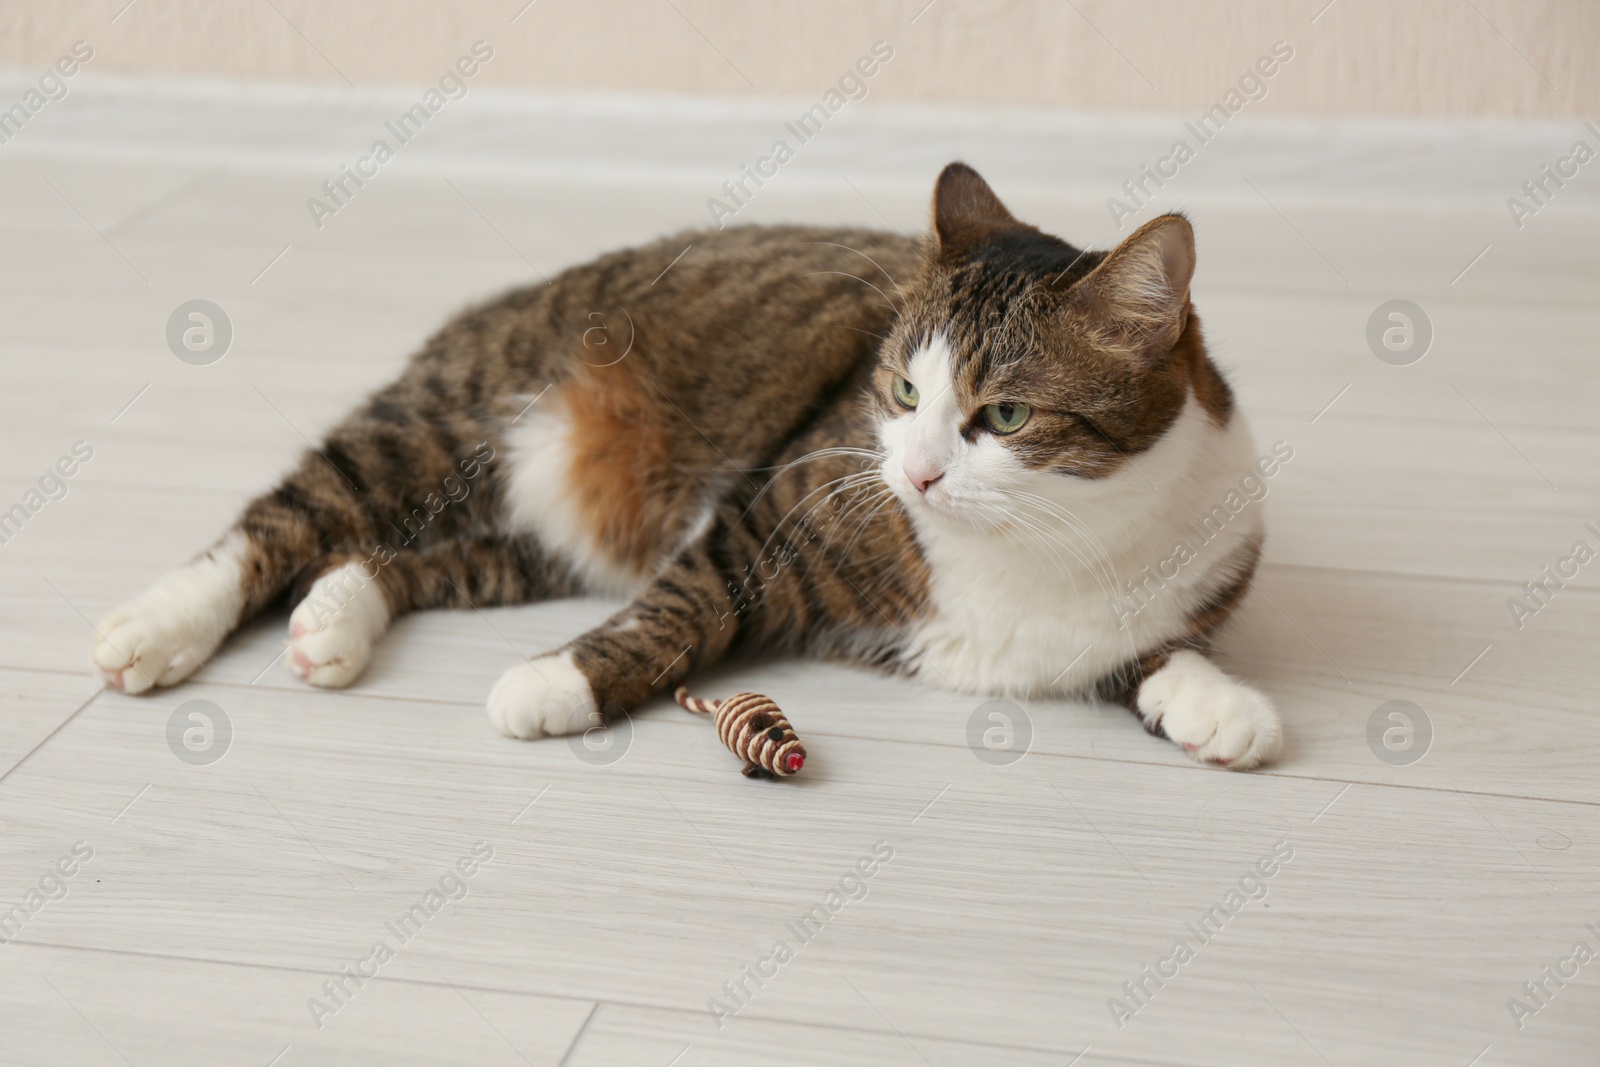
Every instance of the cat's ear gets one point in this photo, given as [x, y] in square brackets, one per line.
[965, 210]
[1137, 300]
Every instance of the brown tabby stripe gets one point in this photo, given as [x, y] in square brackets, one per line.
[1121, 686]
[410, 497]
[1205, 620]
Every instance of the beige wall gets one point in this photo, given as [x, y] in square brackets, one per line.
[1442, 57]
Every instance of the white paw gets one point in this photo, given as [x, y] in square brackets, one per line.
[332, 630]
[545, 697]
[174, 626]
[1215, 719]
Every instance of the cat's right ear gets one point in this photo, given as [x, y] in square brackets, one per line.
[965, 210]
[1136, 301]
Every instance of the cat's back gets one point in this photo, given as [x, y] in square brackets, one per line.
[748, 263]
[732, 300]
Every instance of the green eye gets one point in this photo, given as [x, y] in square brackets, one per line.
[1006, 418]
[905, 392]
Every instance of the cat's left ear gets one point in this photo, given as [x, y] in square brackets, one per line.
[966, 211]
[1137, 300]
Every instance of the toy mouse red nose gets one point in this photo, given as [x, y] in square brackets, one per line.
[794, 761]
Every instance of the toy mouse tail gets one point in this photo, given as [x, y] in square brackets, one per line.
[689, 703]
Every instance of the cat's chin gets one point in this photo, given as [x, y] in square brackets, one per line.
[954, 517]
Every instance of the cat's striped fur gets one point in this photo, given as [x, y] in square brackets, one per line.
[718, 436]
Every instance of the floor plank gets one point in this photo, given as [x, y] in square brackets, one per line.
[75, 1006]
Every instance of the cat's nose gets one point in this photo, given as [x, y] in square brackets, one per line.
[922, 477]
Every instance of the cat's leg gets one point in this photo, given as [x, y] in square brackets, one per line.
[408, 465]
[173, 627]
[1182, 695]
[684, 620]
[169, 630]
[352, 600]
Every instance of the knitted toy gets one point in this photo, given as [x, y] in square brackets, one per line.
[753, 729]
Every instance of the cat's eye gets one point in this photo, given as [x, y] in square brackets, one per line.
[905, 392]
[1006, 418]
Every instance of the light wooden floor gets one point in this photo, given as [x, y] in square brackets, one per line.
[621, 897]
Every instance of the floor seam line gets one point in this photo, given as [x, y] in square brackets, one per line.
[577, 1037]
[62, 725]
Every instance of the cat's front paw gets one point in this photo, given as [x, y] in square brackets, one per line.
[545, 697]
[1215, 719]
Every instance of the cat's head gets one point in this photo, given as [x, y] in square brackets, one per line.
[1022, 365]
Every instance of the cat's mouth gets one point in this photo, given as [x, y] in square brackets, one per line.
[953, 509]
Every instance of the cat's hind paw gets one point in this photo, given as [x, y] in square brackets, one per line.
[544, 697]
[331, 631]
[1215, 718]
[142, 645]
[173, 627]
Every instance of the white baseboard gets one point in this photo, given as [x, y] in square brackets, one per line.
[699, 143]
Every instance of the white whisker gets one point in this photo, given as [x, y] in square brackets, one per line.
[846, 274]
[835, 244]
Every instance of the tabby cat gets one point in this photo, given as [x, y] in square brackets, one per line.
[946, 457]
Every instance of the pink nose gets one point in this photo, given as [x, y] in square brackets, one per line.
[922, 477]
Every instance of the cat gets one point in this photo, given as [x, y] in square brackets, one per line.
[942, 456]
